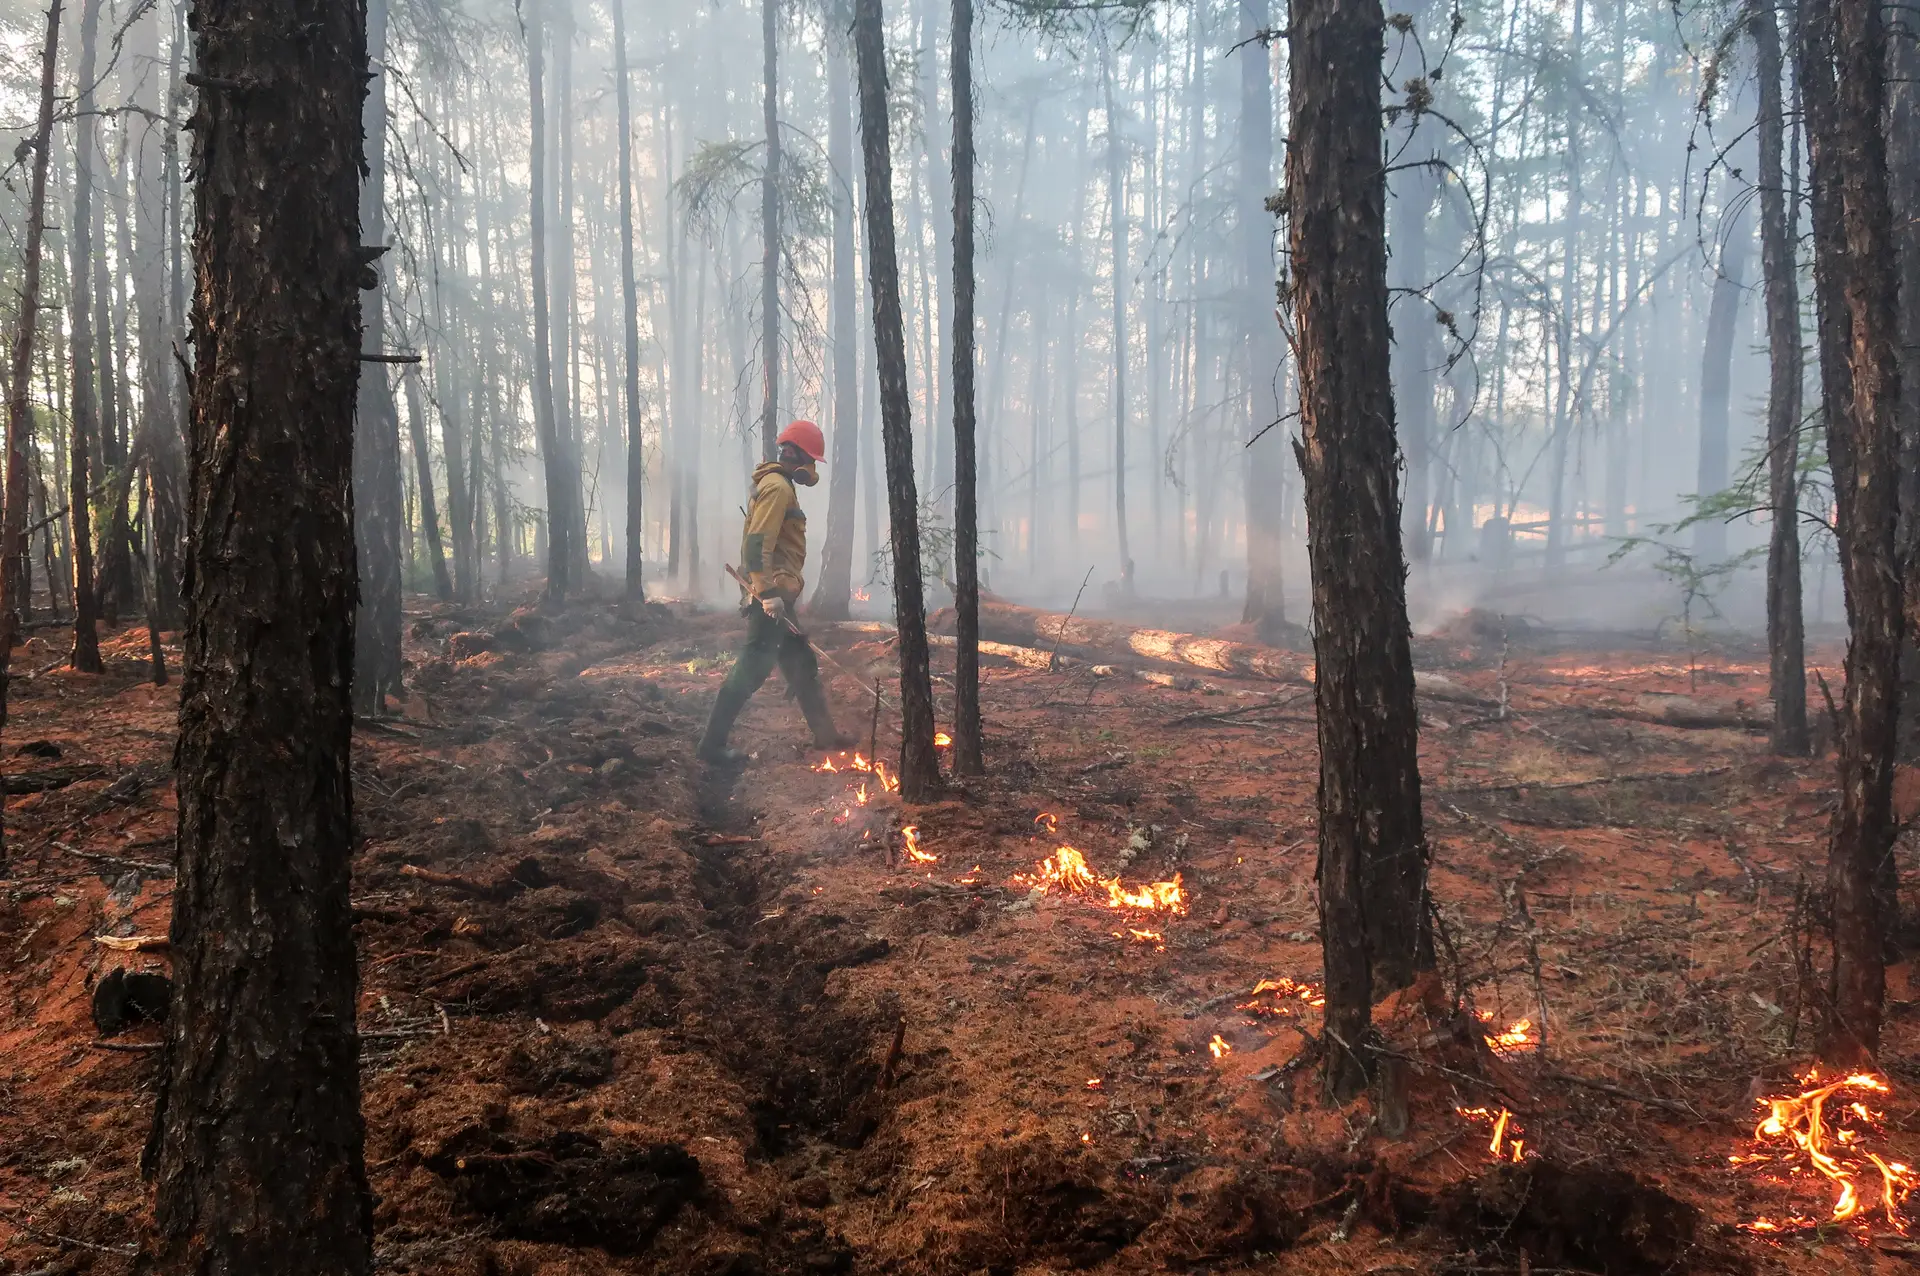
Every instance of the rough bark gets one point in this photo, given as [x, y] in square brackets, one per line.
[80, 345]
[833, 594]
[1786, 631]
[919, 766]
[1265, 470]
[770, 233]
[630, 306]
[553, 454]
[378, 502]
[1716, 384]
[1373, 852]
[257, 1145]
[967, 758]
[1863, 824]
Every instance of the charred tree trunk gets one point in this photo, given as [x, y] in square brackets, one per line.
[770, 235]
[1373, 851]
[832, 596]
[553, 453]
[378, 504]
[630, 304]
[257, 1141]
[1786, 630]
[1265, 472]
[1868, 508]
[967, 757]
[80, 345]
[19, 442]
[423, 473]
[1716, 384]
[919, 766]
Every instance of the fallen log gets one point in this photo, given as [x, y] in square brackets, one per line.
[1107, 642]
[1683, 712]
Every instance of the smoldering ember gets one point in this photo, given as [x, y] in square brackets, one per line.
[959, 637]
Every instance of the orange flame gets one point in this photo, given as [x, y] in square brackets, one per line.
[862, 596]
[1047, 821]
[1506, 1143]
[1067, 870]
[1516, 1038]
[1803, 1123]
[1220, 1046]
[911, 834]
[1282, 990]
[941, 740]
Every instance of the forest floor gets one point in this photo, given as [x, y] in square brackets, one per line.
[621, 1014]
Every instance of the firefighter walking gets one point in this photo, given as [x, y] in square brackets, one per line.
[773, 558]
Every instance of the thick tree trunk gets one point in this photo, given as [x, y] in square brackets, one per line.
[1373, 851]
[378, 502]
[14, 585]
[1786, 632]
[770, 234]
[630, 308]
[80, 345]
[553, 452]
[832, 596]
[257, 1142]
[1868, 508]
[967, 755]
[1265, 469]
[919, 765]
[1716, 384]
[423, 473]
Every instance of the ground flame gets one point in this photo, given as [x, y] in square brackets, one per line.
[1282, 996]
[1506, 1144]
[1066, 871]
[1817, 1128]
[1517, 1037]
[911, 835]
[1220, 1046]
[941, 740]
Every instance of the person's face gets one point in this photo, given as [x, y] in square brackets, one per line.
[791, 455]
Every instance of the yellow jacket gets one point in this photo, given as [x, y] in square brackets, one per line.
[773, 546]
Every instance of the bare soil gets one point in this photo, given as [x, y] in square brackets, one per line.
[623, 1014]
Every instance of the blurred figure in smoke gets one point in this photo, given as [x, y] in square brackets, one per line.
[773, 554]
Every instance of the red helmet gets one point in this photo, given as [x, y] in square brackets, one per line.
[806, 436]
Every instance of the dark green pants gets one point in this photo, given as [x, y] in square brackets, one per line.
[771, 643]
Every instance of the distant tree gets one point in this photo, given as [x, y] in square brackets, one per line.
[770, 425]
[553, 451]
[832, 596]
[1373, 850]
[257, 1145]
[80, 346]
[919, 764]
[630, 311]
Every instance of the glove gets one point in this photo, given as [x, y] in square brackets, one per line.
[775, 608]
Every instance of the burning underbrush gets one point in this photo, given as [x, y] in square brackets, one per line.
[1831, 1134]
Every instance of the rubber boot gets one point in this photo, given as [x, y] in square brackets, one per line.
[713, 744]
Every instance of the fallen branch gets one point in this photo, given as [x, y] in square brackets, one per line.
[128, 1047]
[21, 782]
[134, 943]
[468, 885]
[143, 866]
[894, 1051]
[1636, 777]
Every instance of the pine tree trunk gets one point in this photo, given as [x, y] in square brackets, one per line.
[1117, 227]
[552, 452]
[919, 766]
[967, 752]
[1786, 633]
[630, 306]
[15, 587]
[86, 418]
[1373, 852]
[833, 595]
[1854, 160]
[423, 472]
[257, 1144]
[770, 235]
[1716, 384]
[1409, 205]
[1264, 472]
[379, 516]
